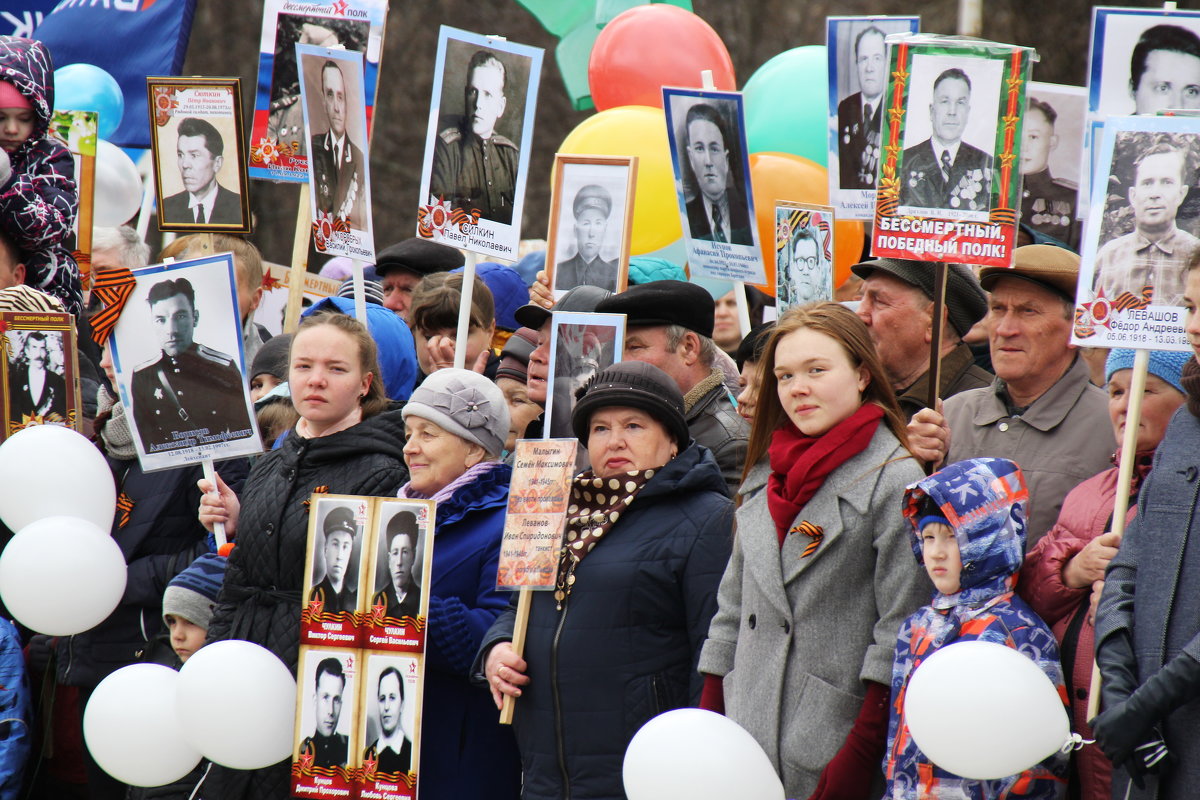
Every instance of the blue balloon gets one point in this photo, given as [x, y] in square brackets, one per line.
[84, 87]
[787, 105]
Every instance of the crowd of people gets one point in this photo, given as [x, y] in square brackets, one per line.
[900, 527]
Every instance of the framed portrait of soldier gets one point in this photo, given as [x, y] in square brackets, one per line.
[41, 379]
[398, 574]
[581, 344]
[1136, 252]
[180, 365]
[199, 163]
[711, 164]
[591, 218]
[803, 254]
[390, 725]
[326, 749]
[858, 73]
[1051, 154]
[478, 143]
[334, 570]
[335, 125]
[278, 145]
[949, 188]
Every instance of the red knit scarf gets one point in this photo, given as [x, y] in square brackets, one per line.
[800, 464]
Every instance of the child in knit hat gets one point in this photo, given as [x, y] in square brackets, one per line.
[189, 601]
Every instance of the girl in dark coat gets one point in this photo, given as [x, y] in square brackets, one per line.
[348, 441]
[617, 643]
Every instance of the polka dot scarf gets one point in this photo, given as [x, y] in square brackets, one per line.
[596, 505]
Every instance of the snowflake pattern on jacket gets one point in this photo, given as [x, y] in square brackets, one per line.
[985, 500]
[39, 201]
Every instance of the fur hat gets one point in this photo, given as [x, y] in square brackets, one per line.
[635, 384]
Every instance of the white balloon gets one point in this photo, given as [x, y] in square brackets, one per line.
[62, 575]
[131, 728]
[118, 186]
[49, 470]
[237, 704]
[984, 711]
[698, 755]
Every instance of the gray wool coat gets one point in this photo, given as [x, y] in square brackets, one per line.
[795, 636]
[1152, 590]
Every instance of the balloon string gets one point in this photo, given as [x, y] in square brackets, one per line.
[1075, 742]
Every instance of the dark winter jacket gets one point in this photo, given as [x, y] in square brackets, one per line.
[15, 713]
[465, 752]
[625, 646]
[714, 423]
[160, 538]
[39, 201]
[260, 600]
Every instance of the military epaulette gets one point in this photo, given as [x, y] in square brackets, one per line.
[503, 141]
[450, 135]
[152, 362]
[215, 356]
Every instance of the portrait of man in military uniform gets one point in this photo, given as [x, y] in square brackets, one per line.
[859, 115]
[590, 212]
[325, 745]
[474, 166]
[392, 750]
[337, 164]
[398, 591]
[1047, 203]
[337, 590]
[943, 171]
[189, 390]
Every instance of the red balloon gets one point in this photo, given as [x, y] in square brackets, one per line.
[783, 176]
[649, 47]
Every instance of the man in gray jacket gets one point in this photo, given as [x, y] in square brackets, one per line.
[1041, 411]
[669, 324]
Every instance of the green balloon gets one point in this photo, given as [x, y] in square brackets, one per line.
[787, 105]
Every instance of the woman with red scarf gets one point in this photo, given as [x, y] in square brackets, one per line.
[821, 576]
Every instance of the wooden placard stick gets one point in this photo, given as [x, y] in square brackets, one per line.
[464, 311]
[935, 346]
[1133, 416]
[210, 475]
[295, 301]
[520, 627]
[360, 292]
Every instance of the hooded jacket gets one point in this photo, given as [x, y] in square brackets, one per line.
[39, 200]
[984, 499]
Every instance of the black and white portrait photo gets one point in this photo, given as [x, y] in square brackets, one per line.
[591, 221]
[327, 688]
[336, 554]
[199, 163]
[397, 568]
[177, 354]
[803, 255]
[390, 721]
[1144, 61]
[37, 386]
[332, 84]
[858, 76]
[581, 345]
[950, 136]
[1051, 151]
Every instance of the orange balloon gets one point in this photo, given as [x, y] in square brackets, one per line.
[783, 176]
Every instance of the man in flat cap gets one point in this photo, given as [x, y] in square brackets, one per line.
[1155, 254]
[399, 594]
[1041, 411]
[944, 171]
[669, 324]
[474, 167]
[337, 593]
[718, 212]
[897, 305]
[592, 207]
[401, 267]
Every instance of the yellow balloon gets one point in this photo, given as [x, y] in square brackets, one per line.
[636, 131]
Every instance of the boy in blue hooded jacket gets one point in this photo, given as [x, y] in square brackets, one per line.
[968, 531]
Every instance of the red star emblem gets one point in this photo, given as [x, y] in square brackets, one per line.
[1099, 309]
[377, 612]
[270, 282]
[340, 7]
[369, 766]
[315, 608]
[306, 761]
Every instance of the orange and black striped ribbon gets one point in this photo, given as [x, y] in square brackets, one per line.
[113, 288]
[814, 532]
[125, 507]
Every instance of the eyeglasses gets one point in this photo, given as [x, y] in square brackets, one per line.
[808, 261]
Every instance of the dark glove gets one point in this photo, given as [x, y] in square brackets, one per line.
[1147, 758]
[851, 772]
[1121, 729]
[1118, 669]
[40, 651]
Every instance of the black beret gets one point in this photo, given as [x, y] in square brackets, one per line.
[664, 303]
[417, 255]
[340, 519]
[634, 384]
[966, 302]
[583, 298]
